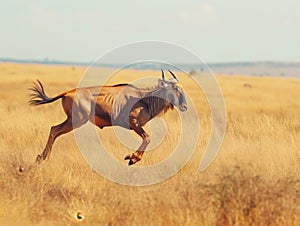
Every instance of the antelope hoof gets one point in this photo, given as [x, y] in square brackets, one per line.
[127, 157]
[38, 159]
[130, 162]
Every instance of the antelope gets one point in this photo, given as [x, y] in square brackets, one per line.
[122, 105]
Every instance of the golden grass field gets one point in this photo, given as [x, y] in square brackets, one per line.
[255, 179]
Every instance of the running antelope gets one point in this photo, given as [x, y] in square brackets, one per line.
[122, 105]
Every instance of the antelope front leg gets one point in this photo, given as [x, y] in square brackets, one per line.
[138, 154]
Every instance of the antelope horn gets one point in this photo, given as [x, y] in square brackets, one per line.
[162, 74]
[174, 76]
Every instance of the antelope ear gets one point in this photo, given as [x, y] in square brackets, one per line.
[162, 83]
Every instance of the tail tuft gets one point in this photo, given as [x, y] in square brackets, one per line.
[39, 96]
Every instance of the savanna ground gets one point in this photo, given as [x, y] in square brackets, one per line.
[255, 179]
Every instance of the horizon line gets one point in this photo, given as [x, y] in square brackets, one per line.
[47, 61]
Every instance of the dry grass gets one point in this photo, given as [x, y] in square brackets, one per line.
[253, 181]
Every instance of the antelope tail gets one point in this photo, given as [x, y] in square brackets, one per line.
[39, 96]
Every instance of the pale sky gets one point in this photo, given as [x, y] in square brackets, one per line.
[217, 31]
